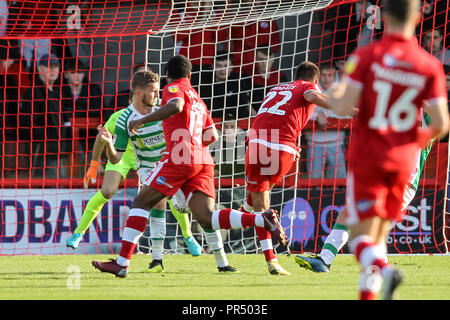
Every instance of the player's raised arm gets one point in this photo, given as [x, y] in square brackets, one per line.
[114, 156]
[173, 107]
[317, 98]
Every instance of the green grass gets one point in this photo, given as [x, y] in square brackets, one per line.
[189, 278]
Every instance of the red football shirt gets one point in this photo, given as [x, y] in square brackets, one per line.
[396, 75]
[283, 114]
[184, 131]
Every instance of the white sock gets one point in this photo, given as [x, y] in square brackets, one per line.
[337, 238]
[157, 249]
[214, 240]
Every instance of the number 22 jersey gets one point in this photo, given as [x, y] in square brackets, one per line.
[282, 115]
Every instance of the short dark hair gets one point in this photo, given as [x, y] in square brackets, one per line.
[307, 71]
[222, 56]
[401, 10]
[178, 67]
[73, 65]
[142, 78]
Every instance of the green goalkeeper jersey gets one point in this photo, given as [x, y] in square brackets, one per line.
[110, 125]
[149, 142]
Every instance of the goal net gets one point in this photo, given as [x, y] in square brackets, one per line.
[239, 50]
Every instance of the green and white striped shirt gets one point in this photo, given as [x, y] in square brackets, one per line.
[148, 144]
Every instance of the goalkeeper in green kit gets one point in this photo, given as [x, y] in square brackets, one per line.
[339, 234]
[114, 175]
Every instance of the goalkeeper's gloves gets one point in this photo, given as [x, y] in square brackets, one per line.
[91, 173]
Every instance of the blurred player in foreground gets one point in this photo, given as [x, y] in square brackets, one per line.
[114, 175]
[272, 144]
[389, 81]
[340, 233]
[187, 165]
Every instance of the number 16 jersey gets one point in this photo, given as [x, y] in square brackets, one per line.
[395, 75]
[283, 114]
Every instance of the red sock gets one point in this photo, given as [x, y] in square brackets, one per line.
[135, 227]
[371, 259]
[232, 219]
[367, 295]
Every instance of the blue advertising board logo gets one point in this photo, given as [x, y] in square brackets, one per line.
[298, 217]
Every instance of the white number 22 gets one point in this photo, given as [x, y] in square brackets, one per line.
[274, 109]
[403, 106]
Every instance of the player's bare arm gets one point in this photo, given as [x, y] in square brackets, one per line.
[210, 135]
[113, 155]
[99, 146]
[317, 98]
[343, 97]
[173, 107]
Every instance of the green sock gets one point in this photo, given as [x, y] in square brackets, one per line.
[183, 221]
[93, 207]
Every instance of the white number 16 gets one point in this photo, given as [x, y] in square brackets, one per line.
[403, 106]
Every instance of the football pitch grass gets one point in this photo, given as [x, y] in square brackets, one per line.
[185, 277]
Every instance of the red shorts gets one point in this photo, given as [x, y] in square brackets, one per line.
[265, 167]
[167, 178]
[375, 193]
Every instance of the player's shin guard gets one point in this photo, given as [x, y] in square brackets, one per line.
[371, 257]
[337, 238]
[214, 240]
[233, 219]
[136, 223]
[157, 232]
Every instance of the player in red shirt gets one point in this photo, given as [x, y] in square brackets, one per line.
[389, 81]
[186, 164]
[272, 144]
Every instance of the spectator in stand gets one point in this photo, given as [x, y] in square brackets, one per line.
[264, 76]
[432, 41]
[326, 147]
[42, 123]
[447, 81]
[79, 97]
[13, 84]
[3, 17]
[434, 14]
[81, 100]
[247, 36]
[227, 94]
[231, 144]
[33, 17]
[338, 65]
[198, 45]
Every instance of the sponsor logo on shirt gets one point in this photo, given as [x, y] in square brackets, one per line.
[173, 89]
[351, 64]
